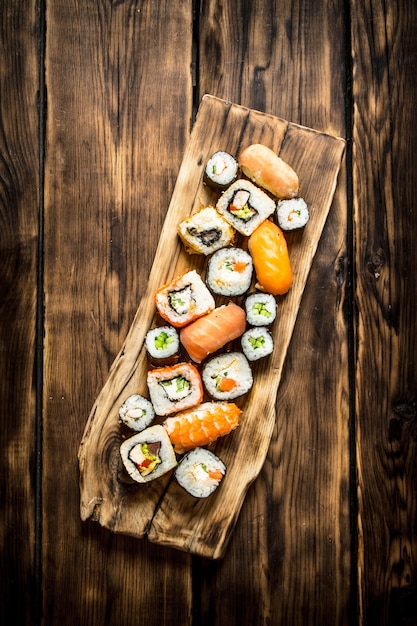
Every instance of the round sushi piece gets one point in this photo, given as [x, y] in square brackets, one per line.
[257, 343]
[136, 412]
[148, 454]
[184, 299]
[229, 272]
[245, 206]
[292, 214]
[200, 472]
[162, 345]
[261, 309]
[174, 388]
[206, 231]
[227, 376]
[222, 170]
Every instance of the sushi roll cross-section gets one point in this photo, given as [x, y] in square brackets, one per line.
[206, 231]
[245, 206]
[200, 472]
[148, 455]
[174, 388]
[229, 272]
[136, 412]
[227, 376]
[184, 299]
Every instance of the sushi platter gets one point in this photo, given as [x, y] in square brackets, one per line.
[117, 488]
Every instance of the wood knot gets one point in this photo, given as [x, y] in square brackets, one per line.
[375, 263]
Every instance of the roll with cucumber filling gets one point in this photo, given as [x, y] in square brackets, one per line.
[162, 345]
[174, 388]
[184, 299]
[257, 343]
[260, 309]
[245, 206]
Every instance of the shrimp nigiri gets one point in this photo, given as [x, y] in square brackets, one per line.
[270, 256]
[201, 425]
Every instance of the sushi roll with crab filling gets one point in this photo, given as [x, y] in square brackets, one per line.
[174, 388]
[222, 170]
[162, 345]
[229, 272]
[292, 214]
[200, 472]
[184, 299]
[245, 206]
[257, 343]
[136, 413]
[261, 309]
[148, 455]
[205, 231]
[227, 376]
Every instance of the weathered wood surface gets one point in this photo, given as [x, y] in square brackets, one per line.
[119, 98]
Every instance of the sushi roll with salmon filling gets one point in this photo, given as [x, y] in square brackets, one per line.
[227, 376]
[257, 343]
[162, 345]
[292, 214]
[136, 412]
[184, 299]
[221, 170]
[174, 388]
[148, 455]
[245, 206]
[205, 231]
[261, 309]
[200, 472]
[229, 272]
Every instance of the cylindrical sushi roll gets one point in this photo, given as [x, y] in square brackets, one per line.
[136, 412]
[245, 206]
[229, 272]
[148, 455]
[200, 472]
[206, 231]
[221, 170]
[184, 299]
[201, 425]
[257, 343]
[162, 345]
[174, 388]
[292, 214]
[227, 376]
[261, 309]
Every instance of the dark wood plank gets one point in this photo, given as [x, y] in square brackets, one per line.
[19, 206]
[289, 557]
[385, 187]
[119, 114]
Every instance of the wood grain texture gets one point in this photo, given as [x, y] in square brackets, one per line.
[386, 295]
[19, 230]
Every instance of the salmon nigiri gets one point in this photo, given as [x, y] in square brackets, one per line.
[201, 425]
[212, 331]
[269, 252]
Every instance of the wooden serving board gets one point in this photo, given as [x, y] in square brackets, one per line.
[161, 510]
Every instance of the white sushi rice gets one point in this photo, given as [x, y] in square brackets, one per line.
[175, 388]
[162, 342]
[257, 343]
[292, 214]
[184, 299]
[132, 453]
[136, 412]
[227, 376]
[229, 272]
[261, 309]
[221, 170]
[245, 206]
[199, 472]
[206, 231]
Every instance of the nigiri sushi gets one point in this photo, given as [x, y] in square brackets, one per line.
[201, 425]
[270, 256]
[212, 331]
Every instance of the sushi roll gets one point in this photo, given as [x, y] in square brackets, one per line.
[162, 345]
[245, 206]
[261, 309]
[174, 388]
[292, 214]
[184, 299]
[136, 413]
[227, 376]
[206, 231]
[148, 455]
[200, 472]
[222, 170]
[229, 272]
[257, 343]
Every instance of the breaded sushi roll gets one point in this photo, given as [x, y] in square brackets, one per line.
[227, 376]
[148, 455]
[229, 272]
[222, 170]
[245, 206]
[174, 388]
[257, 343]
[200, 472]
[206, 231]
[162, 345]
[261, 309]
[292, 214]
[136, 412]
[184, 299]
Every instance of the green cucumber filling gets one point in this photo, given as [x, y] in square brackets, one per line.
[256, 342]
[181, 299]
[261, 309]
[176, 388]
[163, 340]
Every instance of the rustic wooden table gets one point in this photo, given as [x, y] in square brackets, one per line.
[97, 101]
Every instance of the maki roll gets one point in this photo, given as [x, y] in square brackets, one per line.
[184, 299]
[227, 376]
[174, 388]
[245, 206]
[205, 231]
[229, 272]
[136, 412]
[200, 472]
[162, 345]
[221, 170]
[148, 454]
[292, 214]
[257, 343]
[261, 309]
